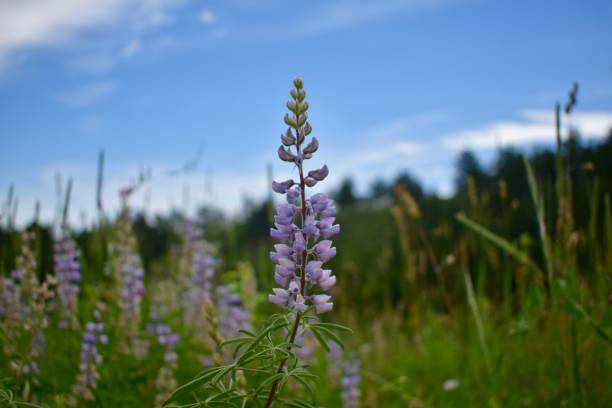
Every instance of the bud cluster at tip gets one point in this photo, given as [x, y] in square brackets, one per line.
[302, 250]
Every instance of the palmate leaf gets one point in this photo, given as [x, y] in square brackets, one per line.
[331, 326]
[269, 352]
[264, 333]
[320, 339]
[222, 373]
[236, 340]
[267, 381]
[186, 389]
[302, 376]
[329, 334]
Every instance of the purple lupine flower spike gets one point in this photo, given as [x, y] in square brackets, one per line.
[350, 384]
[203, 266]
[282, 187]
[68, 273]
[300, 253]
[233, 317]
[90, 359]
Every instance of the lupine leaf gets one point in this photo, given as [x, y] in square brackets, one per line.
[331, 335]
[236, 340]
[267, 381]
[305, 384]
[320, 338]
[332, 326]
[222, 373]
[185, 389]
[247, 332]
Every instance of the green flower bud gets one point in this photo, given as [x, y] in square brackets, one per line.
[293, 107]
[291, 121]
[310, 182]
[302, 119]
[302, 107]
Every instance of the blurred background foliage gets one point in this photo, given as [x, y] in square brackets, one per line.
[430, 300]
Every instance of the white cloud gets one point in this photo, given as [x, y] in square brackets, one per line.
[536, 126]
[89, 94]
[207, 17]
[34, 23]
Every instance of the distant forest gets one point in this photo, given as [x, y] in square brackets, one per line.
[499, 191]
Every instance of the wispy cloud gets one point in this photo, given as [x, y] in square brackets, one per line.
[131, 48]
[224, 188]
[535, 126]
[89, 94]
[207, 17]
[387, 152]
[323, 16]
[34, 23]
[346, 13]
[391, 140]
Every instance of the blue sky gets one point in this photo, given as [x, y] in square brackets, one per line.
[392, 84]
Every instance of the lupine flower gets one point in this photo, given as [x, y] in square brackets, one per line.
[202, 266]
[450, 384]
[25, 305]
[302, 250]
[232, 315]
[306, 343]
[67, 271]
[90, 359]
[334, 360]
[167, 339]
[129, 275]
[350, 384]
[164, 302]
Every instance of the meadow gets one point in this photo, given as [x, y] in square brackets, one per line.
[498, 296]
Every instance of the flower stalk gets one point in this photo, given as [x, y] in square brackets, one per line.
[317, 215]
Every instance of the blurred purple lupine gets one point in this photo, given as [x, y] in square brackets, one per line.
[130, 275]
[68, 274]
[350, 384]
[202, 266]
[232, 315]
[90, 359]
[306, 343]
[302, 250]
[167, 339]
[164, 335]
[25, 307]
[133, 287]
[334, 361]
